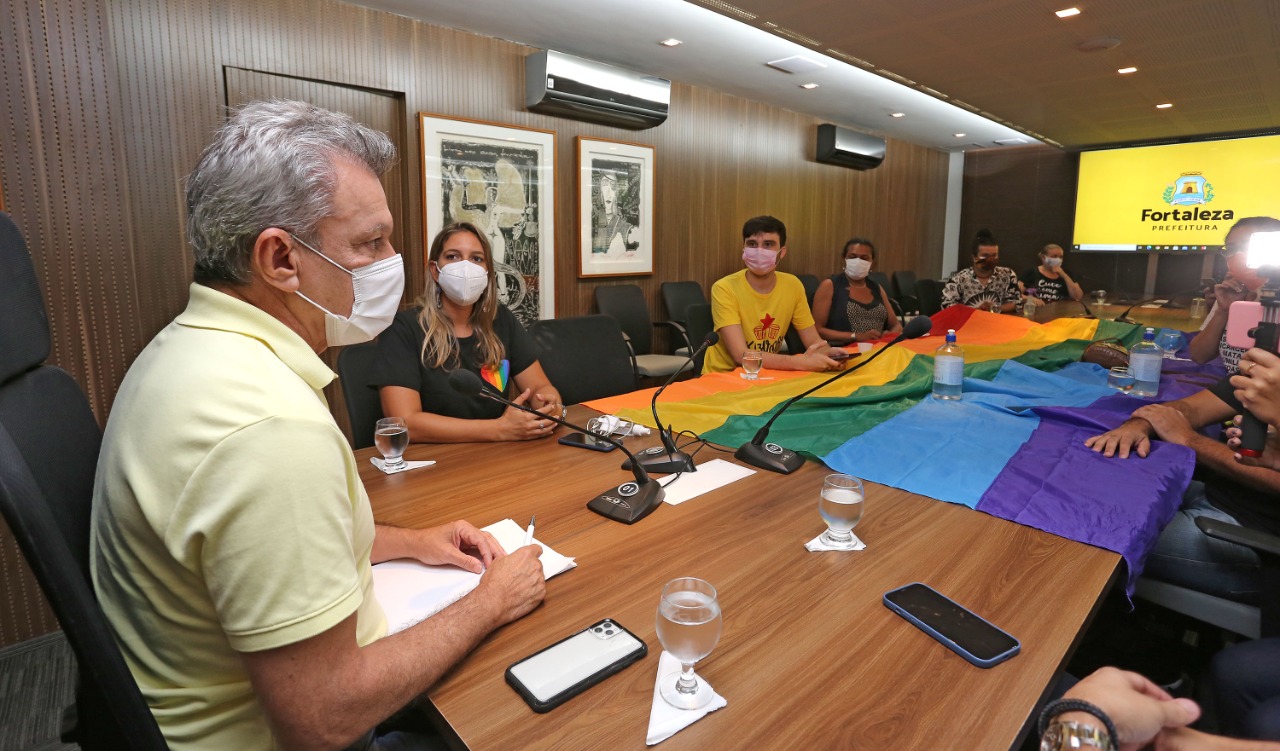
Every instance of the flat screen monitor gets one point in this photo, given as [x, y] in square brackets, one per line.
[1180, 198]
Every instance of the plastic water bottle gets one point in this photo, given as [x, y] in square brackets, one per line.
[948, 369]
[1145, 360]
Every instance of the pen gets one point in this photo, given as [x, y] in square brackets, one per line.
[528, 533]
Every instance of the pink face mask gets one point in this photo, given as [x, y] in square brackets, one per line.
[760, 260]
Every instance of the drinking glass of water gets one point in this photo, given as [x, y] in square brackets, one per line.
[1121, 379]
[689, 625]
[841, 508]
[1100, 296]
[751, 362]
[391, 436]
[1169, 341]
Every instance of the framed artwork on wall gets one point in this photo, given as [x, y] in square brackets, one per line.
[615, 208]
[500, 178]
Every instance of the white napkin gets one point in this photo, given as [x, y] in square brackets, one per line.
[817, 544]
[408, 465]
[664, 719]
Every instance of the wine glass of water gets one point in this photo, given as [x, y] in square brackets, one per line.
[391, 436]
[689, 625]
[841, 508]
[1169, 341]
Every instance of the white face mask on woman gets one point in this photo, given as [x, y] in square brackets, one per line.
[463, 281]
[375, 295]
[857, 268]
[1052, 263]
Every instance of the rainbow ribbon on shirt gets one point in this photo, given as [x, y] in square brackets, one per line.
[497, 375]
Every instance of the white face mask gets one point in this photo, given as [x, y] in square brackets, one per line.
[463, 281]
[857, 268]
[1052, 263]
[375, 294]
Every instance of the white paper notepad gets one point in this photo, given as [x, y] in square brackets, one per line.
[410, 591]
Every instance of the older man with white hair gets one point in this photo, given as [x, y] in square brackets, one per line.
[232, 538]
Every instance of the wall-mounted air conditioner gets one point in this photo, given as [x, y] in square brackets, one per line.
[573, 87]
[849, 148]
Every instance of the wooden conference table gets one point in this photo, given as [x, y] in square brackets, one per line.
[1159, 317]
[809, 657]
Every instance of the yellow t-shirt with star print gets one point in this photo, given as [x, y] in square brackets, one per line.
[764, 318]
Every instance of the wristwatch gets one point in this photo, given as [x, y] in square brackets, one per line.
[1069, 735]
[564, 412]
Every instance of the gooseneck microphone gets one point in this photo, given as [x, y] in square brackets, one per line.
[627, 503]
[666, 459]
[773, 457]
[1124, 317]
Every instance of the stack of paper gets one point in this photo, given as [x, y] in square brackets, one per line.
[410, 591]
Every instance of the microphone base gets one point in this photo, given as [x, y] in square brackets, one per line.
[657, 461]
[629, 502]
[769, 456]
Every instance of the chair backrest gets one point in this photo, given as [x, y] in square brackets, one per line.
[904, 284]
[585, 357]
[810, 283]
[881, 278]
[678, 296]
[364, 406]
[625, 303]
[698, 323]
[929, 291]
[49, 444]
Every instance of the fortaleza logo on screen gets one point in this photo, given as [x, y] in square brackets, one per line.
[1193, 190]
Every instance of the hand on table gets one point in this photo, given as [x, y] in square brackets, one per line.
[514, 584]
[1168, 423]
[458, 544]
[1133, 435]
[515, 425]
[816, 358]
[1139, 708]
[870, 335]
[1258, 384]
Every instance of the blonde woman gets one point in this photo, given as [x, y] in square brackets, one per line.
[459, 323]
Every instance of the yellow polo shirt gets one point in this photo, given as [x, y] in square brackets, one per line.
[228, 517]
[764, 318]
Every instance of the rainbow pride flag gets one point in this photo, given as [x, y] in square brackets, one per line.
[1013, 447]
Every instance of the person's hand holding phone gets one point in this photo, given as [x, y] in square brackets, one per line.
[1258, 385]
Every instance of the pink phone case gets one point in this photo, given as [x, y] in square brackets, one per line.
[1241, 319]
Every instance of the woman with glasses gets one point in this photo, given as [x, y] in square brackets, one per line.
[1241, 283]
[986, 285]
[459, 323]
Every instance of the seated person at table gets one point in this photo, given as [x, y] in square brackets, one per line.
[986, 285]
[849, 306]
[459, 323]
[231, 537]
[753, 308]
[1227, 490]
[1049, 281]
[1241, 283]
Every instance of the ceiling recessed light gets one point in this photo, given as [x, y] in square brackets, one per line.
[808, 85]
[1067, 12]
[897, 114]
[1164, 106]
[1126, 71]
[671, 42]
[961, 135]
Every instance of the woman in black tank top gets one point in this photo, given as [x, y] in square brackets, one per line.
[849, 307]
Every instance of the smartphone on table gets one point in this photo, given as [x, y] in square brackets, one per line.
[958, 628]
[552, 676]
[587, 441]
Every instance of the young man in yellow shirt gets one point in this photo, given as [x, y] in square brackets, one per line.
[753, 308]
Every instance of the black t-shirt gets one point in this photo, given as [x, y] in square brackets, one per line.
[1251, 507]
[399, 363]
[1048, 290]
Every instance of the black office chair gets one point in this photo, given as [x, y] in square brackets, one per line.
[930, 294]
[677, 297]
[1246, 619]
[48, 455]
[810, 283]
[904, 287]
[698, 324]
[585, 357]
[881, 279]
[626, 304]
[364, 406]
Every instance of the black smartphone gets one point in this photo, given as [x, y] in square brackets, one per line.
[587, 441]
[552, 676]
[840, 355]
[958, 628]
